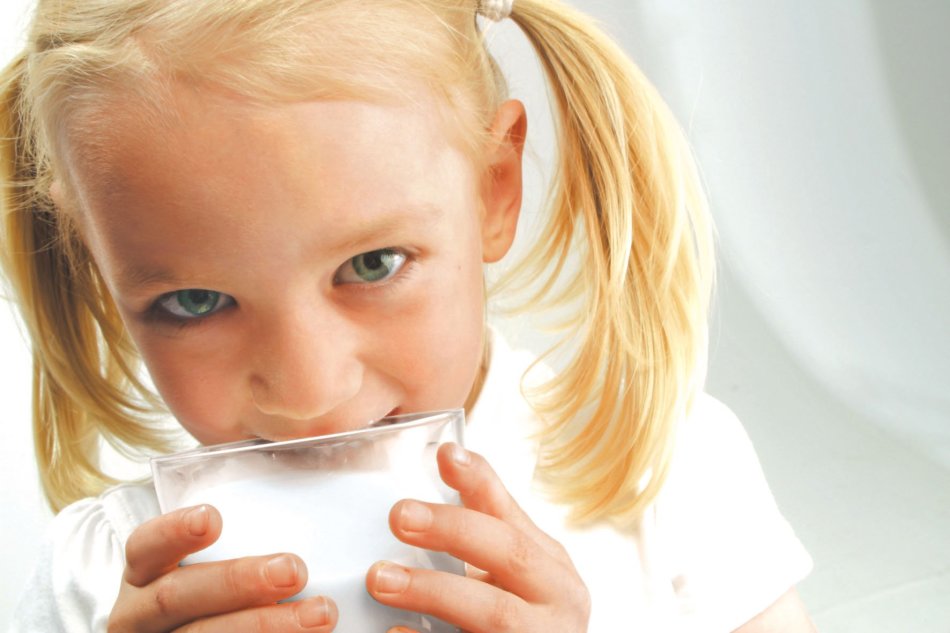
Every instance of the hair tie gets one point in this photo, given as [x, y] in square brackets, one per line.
[495, 10]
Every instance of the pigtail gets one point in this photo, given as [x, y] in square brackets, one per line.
[626, 203]
[82, 362]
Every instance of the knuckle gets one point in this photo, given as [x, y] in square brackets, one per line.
[235, 579]
[165, 597]
[520, 554]
[505, 615]
[459, 532]
[434, 592]
[454, 529]
[259, 622]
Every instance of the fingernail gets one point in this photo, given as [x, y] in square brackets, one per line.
[391, 579]
[460, 456]
[197, 520]
[313, 613]
[282, 571]
[414, 517]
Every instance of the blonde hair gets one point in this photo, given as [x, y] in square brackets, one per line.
[625, 202]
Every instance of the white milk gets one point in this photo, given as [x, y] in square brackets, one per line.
[337, 522]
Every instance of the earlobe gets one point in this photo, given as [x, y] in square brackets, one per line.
[56, 194]
[61, 199]
[502, 185]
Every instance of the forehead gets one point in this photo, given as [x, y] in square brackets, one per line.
[277, 52]
[218, 174]
[125, 141]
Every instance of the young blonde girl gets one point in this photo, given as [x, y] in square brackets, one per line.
[283, 207]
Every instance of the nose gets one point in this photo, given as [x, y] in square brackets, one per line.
[306, 365]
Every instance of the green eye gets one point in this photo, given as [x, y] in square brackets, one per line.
[194, 302]
[372, 266]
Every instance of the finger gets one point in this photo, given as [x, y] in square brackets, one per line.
[314, 615]
[515, 561]
[207, 589]
[480, 489]
[157, 546]
[464, 602]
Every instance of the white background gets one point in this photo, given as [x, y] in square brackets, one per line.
[822, 133]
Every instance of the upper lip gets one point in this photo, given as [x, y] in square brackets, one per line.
[317, 428]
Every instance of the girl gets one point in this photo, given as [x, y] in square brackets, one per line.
[283, 207]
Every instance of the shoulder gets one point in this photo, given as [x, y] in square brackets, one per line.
[80, 563]
[714, 466]
[711, 449]
[729, 550]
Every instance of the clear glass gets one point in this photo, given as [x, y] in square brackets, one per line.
[326, 499]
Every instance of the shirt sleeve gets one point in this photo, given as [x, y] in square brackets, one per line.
[729, 551]
[78, 570]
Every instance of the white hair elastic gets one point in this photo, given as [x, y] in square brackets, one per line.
[495, 10]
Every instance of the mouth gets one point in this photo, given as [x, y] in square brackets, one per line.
[383, 421]
[330, 430]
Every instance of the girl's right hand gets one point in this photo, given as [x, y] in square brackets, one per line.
[233, 595]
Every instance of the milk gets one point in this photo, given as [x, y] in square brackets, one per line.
[329, 506]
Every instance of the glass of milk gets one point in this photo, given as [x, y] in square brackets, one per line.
[326, 499]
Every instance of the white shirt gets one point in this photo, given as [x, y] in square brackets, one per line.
[713, 550]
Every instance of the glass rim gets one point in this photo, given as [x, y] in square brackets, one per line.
[381, 426]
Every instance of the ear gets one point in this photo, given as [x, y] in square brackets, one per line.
[501, 185]
[56, 194]
[63, 199]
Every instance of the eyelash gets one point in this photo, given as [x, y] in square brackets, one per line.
[401, 257]
[157, 312]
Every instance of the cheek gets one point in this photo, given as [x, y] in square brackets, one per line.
[199, 390]
[443, 348]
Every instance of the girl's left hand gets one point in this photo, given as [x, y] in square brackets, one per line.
[529, 583]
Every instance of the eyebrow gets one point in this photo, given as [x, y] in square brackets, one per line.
[391, 222]
[134, 277]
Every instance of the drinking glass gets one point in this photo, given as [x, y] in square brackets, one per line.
[326, 499]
